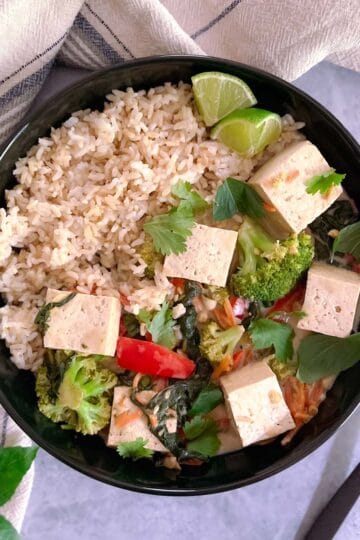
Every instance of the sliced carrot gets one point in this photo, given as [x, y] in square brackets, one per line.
[224, 315]
[127, 418]
[269, 207]
[295, 397]
[223, 367]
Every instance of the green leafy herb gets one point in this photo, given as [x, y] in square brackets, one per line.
[348, 240]
[324, 182]
[188, 322]
[135, 449]
[236, 197]
[209, 398]
[339, 215]
[266, 333]
[161, 326]
[320, 356]
[201, 432]
[170, 231]
[14, 464]
[198, 425]
[184, 191]
[7, 531]
[42, 317]
[131, 324]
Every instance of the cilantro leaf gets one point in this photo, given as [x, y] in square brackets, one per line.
[209, 398]
[236, 197]
[134, 449]
[320, 356]
[207, 445]
[184, 191]
[324, 182]
[201, 432]
[198, 425]
[170, 231]
[266, 333]
[14, 464]
[348, 240]
[161, 326]
[7, 531]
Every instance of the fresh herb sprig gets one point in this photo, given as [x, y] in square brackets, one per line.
[42, 317]
[135, 449]
[323, 183]
[170, 231]
[237, 197]
[348, 241]
[321, 356]
[267, 333]
[160, 326]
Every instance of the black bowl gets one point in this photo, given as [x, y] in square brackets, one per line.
[89, 454]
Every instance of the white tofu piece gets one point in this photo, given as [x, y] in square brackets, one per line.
[87, 323]
[331, 299]
[255, 400]
[228, 435]
[282, 183]
[137, 425]
[207, 258]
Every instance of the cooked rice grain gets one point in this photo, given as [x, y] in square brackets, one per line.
[76, 215]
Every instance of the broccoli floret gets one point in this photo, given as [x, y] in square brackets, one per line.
[75, 390]
[149, 256]
[283, 370]
[220, 294]
[270, 269]
[216, 343]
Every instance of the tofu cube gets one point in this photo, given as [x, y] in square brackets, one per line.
[282, 183]
[331, 300]
[255, 400]
[87, 323]
[207, 259]
[128, 422]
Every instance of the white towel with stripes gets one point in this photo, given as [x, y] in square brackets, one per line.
[285, 37]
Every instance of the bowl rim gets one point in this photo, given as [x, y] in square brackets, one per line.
[297, 454]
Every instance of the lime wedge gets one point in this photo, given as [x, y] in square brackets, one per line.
[218, 94]
[248, 131]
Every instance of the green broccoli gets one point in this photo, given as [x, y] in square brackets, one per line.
[269, 269]
[75, 390]
[216, 343]
[220, 294]
[149, 256]
[283, 370]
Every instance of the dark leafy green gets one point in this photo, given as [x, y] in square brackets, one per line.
[320, 356]
[42, 317]
[201, 432]
[188, 322]
[135, 449]
[132, 325]
[209, 398]
[7, 531]
[267, 333]
[324, 182]
[338, 216]
[197, 425]
[348, 240]
[206, 446]
[236, 197]
[14, 464]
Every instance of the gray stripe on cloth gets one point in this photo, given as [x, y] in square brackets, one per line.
[85, 50]
[3, 429]
[37, 57]
[213, 22]
[25, 89]
[91, 35]
[76, 55]
[109, 30]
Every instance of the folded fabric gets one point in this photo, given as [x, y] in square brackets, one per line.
[285, 38]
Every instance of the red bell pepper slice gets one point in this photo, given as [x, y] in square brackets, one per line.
[291, 301]
[152, 359]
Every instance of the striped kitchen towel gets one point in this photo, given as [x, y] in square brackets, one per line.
[285, 37]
